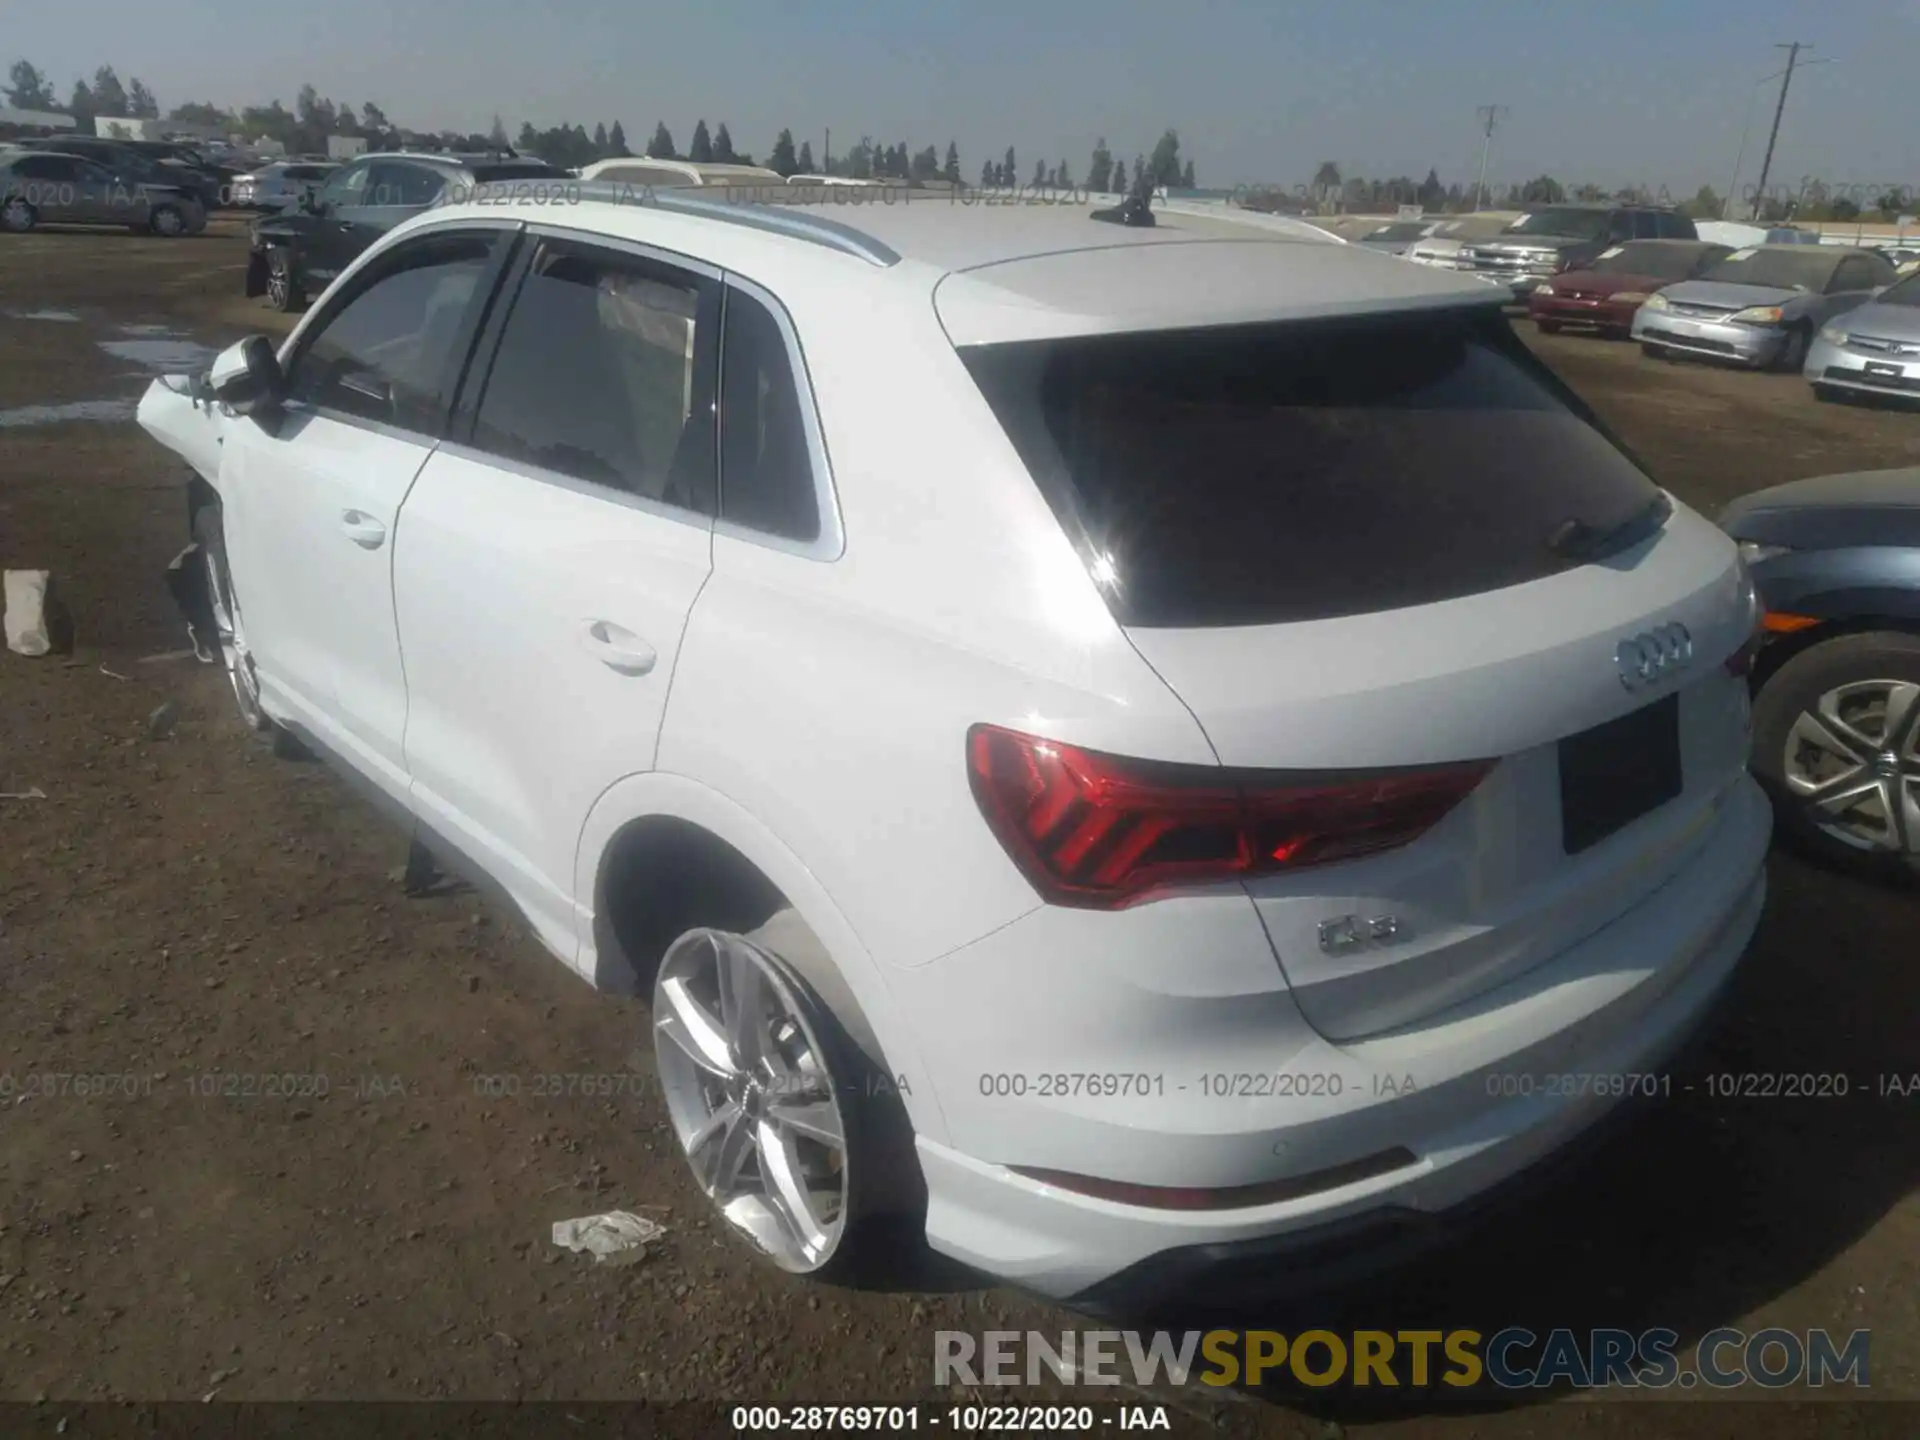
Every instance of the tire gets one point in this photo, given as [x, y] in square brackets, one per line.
[813, 1076]
[1793, 355]
[1547, 327]
[1655, 352]
[284, 292]
[1827, 394]
[230, 635]
[1821, 727]
[17, 217]
[167, 221]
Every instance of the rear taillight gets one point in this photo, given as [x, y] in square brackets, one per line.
[1099, 832]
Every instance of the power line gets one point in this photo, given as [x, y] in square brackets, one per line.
[1490, 116]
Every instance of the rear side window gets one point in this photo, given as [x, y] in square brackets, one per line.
[766, 465]
[1261, 474]
[605, 373]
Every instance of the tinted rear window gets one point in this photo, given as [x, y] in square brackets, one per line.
[1263, 474]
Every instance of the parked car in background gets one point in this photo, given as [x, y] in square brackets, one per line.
[576, 536]
[1760, 307]
[1607, 291]
[1873, 349]
[298, 251]
[48, 187]
[127, 158]
[642, 170]
[1442, 247]
[1836, 716]
[1396, 237]
[1544, 242]
[283, 183]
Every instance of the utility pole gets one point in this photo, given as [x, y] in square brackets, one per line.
[1490, 116]
[1793, 57]
[826, 152]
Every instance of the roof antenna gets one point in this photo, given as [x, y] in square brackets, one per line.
[1136, 209]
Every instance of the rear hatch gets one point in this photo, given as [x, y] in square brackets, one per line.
[1362, 545]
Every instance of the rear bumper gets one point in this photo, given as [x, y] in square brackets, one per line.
[1477, 1095]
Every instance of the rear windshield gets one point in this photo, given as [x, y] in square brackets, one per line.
[1800, 268]
[1261, 474]
[1666, 261]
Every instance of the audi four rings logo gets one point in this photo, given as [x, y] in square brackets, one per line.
[1653, 655]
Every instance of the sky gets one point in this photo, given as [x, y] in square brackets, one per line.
[1617, 92]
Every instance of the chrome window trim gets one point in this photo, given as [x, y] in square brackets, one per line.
[830, 544]
[592, 489]
[639, 249]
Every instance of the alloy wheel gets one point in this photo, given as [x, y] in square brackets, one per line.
[233, 642]
[16, 215]
[1852, 763]
[751, 1096]
[167, 221]
[278, 284]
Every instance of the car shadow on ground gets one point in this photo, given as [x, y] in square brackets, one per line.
[1699, 1209]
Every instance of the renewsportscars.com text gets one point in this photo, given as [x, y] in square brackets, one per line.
[1511, 1359]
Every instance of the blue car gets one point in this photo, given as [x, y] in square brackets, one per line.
[1836, 683]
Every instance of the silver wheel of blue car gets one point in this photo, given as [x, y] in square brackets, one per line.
[168, 221]
[1853, 762]
[16, 215]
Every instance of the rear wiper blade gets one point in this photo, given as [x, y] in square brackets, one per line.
[1576, 539]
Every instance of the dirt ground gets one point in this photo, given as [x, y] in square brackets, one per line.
[180, 907]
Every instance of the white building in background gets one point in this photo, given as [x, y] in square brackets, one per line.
[345, 147]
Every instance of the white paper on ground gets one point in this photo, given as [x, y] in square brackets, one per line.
[618, 1237]
[26, 592]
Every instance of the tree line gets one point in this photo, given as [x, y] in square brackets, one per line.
[305, 128]
[1812, 200]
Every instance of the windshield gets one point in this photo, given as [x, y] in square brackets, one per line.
[1558, 220]
[1662, 260]
[1270, 473]
[1789, 268]
[516, 170]
[1906, 292]
[1405, 230]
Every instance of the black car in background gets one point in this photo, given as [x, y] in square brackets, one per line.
[151, 163]
[1836, 716]
[299, 250]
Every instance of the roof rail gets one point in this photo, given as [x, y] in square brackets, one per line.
[746, 205]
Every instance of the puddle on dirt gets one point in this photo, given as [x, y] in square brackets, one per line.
[170, 353]
[64, 316]
[107, 410]
[167, 330]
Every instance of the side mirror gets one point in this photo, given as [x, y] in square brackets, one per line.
[246, 378]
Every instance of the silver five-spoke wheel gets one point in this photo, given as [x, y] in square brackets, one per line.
[752, 1095]
[1852, 762]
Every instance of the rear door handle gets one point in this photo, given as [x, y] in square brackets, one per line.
[363, 529]
[619, 650]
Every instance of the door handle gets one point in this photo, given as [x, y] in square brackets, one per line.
[363, 529]
[617, 649]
